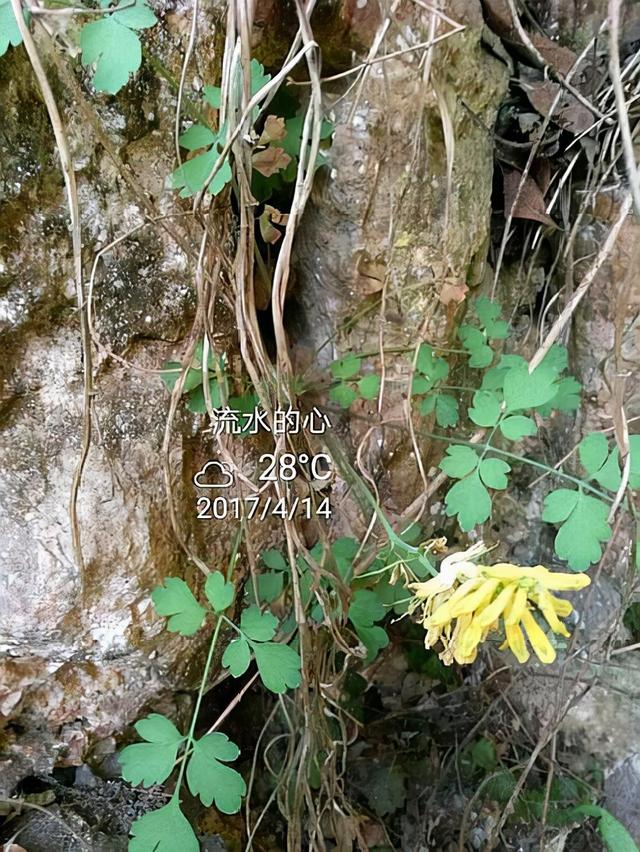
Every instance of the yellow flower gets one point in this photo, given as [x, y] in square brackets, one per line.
[466, 601]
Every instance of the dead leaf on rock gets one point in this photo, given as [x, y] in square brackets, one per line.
[274, 129]
[268, 218]
[530, 203]
[559, 58]
[270, 161]
[568, 113]
[453, 291]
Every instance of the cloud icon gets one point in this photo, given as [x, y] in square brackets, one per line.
[227, 476]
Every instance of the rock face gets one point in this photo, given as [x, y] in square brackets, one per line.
[397, 230]
[76, 644]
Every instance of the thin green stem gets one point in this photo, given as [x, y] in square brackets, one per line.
[196, 709]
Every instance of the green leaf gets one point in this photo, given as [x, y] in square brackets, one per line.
[151, 762]
[470, 501]
[237, 656]
[567, 396]
[369, 386]
[196, 401]
[459, 461]
[614, 834]
[136, 15]
[220, 594]
[212, 95]
[192, 175]
[171, 374]
[600, 464]
[523, 389]
[428, 404]
[593, 450]
[373, 637]
[431, 366]
[493, 473]
[365, 608]
[517, 426]
[488, 313]
[475, 343]
[210, 779]
[344, 551]
[483, 755]
[279, 666]
[197, 136]
[176, 600]
[111, 44]
[420, 385]
[584, 526]
[486, 408]
[274, 559]
[345, 368]
[9, 30]
[164, 830]
[343, 395]
[257, 625]
[446, 411]
[634, 469]
[270, 586]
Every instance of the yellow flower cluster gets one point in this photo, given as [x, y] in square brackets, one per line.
[466, 601]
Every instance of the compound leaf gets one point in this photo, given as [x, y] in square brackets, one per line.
[192, 175]
[369, 386]
[273, 559]
[600, 464]
[373, 637]
[9, 30]
[164, 830]
[210, 779]
[175, 599]
[446, 411]
[112, 45]
[365, 608]
[151, 762]
[583, 526]
[634, 471]
[279, 666]
[486, 408]
[517, 426]
[523, 389]
[219, 592]
[474, 341]
[345, 368]
[488, 313]
[470, 501]
[459, 461]
[197, 136]
[593, 450]
[237, 656]
[343, 394]
[431, 366]
[493, 473]
[260, 626]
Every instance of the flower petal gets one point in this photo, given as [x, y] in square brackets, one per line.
[516, 608]
[563, 581]
[443, 613]
[562, 607]
[495, 609]
[471, 602]
[516, 641]
[539, 642]
[545, 604]
[506, 571]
